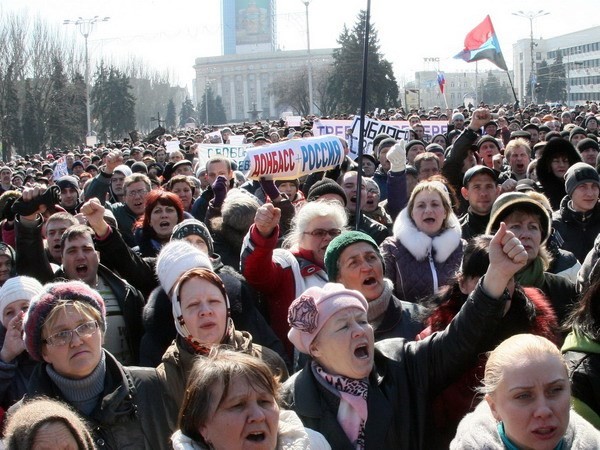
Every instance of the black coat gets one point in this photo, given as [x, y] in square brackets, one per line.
[578, 230]
[404, 376]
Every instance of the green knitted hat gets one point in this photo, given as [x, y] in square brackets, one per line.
[339, 244]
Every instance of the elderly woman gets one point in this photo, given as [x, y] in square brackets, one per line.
[16, 365]
[426, 247]
[45, 424]
[354, 260]
[232, 401]
[282, 275]
[529, 221]
[163, 211]
[202, 317]
[364, 395]
[64, 330]
[527, 393]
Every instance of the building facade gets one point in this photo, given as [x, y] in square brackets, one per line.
[581, 57]
[243, 80]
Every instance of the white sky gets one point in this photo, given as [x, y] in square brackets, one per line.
[169, 35]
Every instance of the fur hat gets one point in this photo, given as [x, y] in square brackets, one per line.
[311, 311]
[509, 202]
[18, 288]
[194, 227]
[176, 258]
[339, 244]
[578, 174]
[43, 304]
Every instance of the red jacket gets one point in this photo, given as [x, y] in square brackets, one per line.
[272, 273]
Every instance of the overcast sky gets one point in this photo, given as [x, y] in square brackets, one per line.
[169, 35]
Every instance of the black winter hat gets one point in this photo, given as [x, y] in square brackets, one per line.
[578, 174]
[586, 143]
[323, 187]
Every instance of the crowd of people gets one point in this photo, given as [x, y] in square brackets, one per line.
[439, 292]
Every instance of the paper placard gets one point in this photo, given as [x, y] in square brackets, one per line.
[294, 121]
[171, 146]
[236, 153]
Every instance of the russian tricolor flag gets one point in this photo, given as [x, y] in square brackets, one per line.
[441, 81]
[482, 43]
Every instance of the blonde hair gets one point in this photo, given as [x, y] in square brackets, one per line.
[521, 347]
[432, 186]
[517, 143]
[83, 308]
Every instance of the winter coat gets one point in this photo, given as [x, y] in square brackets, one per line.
[405, 374]
[291, 435]
[400, 320]
[478, 430]
[589, 267]
[564, 263]
[578, 230]
[125, 218]
[100, 187]
[160, 328]
[131, 412]
[14, 377]
[178, 360]
[280, 275]
[473, 224]
[371, 227]
[417, 264]
[530, 312]
[554, 187]
[583, 360]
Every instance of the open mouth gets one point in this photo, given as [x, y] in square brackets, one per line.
[81, 269]
[257, 436]
[362, 351]
[370, 202]
[370, 281]
[164, 224]
[429, 220]
[353, 199]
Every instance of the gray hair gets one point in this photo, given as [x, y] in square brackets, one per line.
[311, 211]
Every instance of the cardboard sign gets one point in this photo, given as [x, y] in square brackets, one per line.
[236, 153]
[294, 121]
[171, 146]
[294, 158]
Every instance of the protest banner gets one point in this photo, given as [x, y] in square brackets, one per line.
[236, 153]
[349, 130]
[294, 121]
[294, 158]
[372, 128]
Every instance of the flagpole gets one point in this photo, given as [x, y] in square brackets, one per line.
[512, 87]
[476, 105]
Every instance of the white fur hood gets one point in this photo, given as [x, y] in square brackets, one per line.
[420, 245]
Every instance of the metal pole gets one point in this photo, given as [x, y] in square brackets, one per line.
[206, 99]
[532, 74]
[86, 27]
[310, 80]
[363, 112]
[87, 88]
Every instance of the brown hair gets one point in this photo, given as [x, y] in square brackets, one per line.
[203, 274]
[209, 382]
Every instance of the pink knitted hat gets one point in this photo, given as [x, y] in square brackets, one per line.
[311, 311]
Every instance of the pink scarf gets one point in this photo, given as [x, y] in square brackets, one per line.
[352, 412]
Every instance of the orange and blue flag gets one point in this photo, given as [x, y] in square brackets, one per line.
[482, 43]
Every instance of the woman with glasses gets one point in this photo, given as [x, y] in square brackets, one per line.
[64, 330]
[283, 274]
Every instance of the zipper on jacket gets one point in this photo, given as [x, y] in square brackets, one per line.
[433, 272]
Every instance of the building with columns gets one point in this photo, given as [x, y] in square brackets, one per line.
[243, 80]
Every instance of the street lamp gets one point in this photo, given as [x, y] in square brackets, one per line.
[85, 28]
[310, 80]
[531, 15]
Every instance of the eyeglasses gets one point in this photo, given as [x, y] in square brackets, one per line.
[137, 193]
[321, 233]
[84, 330]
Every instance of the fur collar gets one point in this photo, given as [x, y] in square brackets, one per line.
[420, 245]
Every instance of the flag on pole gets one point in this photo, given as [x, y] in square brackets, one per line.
[482, 43]
[441, 81]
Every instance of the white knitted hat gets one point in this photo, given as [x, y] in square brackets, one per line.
[18, 288]
[176, 258]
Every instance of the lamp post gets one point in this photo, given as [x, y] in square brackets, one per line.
[531, 15]
[207, 83]
[310, 80]
[85, 28]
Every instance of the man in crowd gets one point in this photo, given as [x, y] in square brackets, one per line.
[480, 189]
